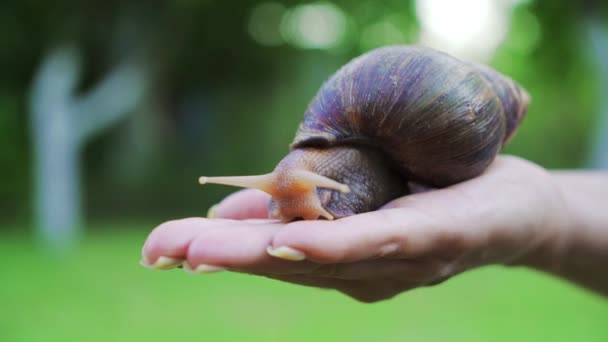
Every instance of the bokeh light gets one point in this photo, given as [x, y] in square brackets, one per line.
[470, 29]
[320, 25]
[381, 33]
[264, 23]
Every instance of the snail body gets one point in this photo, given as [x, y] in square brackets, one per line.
[393, 115]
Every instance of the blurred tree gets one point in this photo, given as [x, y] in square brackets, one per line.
[61, 123]
[205, 73]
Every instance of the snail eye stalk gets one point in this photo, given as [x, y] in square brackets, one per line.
[299, 181]
[261, 182]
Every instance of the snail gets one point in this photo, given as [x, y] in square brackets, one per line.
[391, 116]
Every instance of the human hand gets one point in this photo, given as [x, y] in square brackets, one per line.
[507, 215]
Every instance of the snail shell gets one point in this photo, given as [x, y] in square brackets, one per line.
[440, 120]
[393, 115]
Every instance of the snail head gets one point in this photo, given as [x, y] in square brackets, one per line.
[293, 187]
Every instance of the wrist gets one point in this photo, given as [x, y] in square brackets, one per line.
[552, 231]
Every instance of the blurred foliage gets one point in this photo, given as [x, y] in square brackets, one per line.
[220, 103]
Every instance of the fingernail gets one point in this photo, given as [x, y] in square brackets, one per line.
[202, 268]
[162, 263]
[286, 253]
[212, 212]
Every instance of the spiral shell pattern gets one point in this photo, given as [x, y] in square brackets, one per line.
[439, 119]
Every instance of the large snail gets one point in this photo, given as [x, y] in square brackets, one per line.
[393, 115]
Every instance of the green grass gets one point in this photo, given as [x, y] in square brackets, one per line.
[100, 293]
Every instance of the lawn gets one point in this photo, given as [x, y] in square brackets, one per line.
[100, 293]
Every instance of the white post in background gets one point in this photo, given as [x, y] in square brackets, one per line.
[60, 125]
[598, 40]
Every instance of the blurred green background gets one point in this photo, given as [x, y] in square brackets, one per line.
[169, 90]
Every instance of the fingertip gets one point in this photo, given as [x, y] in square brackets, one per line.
[318, 241]
[170, 239]
[212, 212]
[286, 253]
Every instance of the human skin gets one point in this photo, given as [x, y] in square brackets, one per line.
[515, 214]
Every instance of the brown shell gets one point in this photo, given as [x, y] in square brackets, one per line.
[441, 120]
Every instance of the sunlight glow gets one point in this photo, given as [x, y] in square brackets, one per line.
[470, 29]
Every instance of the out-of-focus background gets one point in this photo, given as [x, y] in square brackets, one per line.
[110, 110]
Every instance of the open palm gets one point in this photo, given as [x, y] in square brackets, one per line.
[421, 239]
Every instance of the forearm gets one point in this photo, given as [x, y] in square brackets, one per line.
[579, 249]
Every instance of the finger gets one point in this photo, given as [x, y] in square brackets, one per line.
[244, 204]
[171, 239]
[239, 246]
[214, 244]
[391, 233]
[250, 257]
